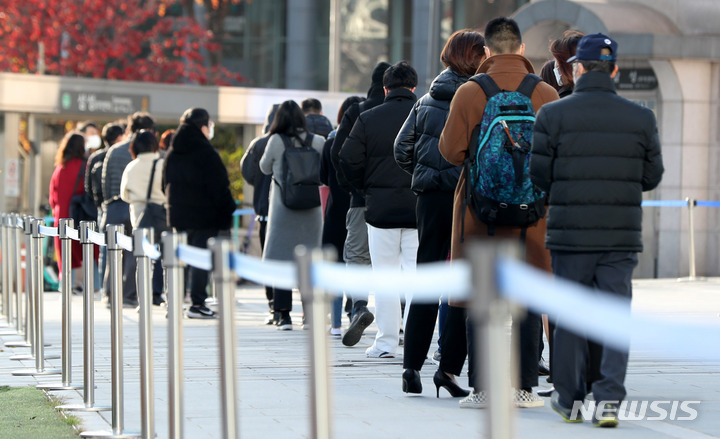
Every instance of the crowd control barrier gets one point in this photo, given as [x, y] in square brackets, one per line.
[491, 279]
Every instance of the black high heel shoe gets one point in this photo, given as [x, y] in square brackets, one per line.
[411, 381]
[444, 381]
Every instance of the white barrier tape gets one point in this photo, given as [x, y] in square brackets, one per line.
[48, 231]
[73, 234]
[196, 257]
[278, 274]
[152, 251]
[603, 317]
[427, 283]
[124, 241]
[96, 238]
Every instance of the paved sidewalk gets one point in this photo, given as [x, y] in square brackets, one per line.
[368, 402]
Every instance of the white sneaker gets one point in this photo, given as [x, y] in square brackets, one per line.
[525, 399]
[335, 332]
[474, 401]
[371, 352]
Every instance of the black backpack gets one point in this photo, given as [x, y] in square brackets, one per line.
[301, 175]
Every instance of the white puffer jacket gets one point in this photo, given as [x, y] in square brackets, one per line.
[135, 181]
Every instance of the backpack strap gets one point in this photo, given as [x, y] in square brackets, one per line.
[152, 177]
[80, 174]
[489, 86]
[527, 86]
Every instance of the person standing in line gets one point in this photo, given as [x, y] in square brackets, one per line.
[316, 121]
[563, 49]
[287, 228]
[111, 134]
[355, 250]
[338, 203]
[66, 181]
[250, 168]
[368, 162]
[434, 181]
[594, 153]
[116, 210]
[507, 67]
[145, 167]
[197, 194]
[165, 140]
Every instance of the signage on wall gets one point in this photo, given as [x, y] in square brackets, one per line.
[102, 103]
[12, 178]
[636, 79]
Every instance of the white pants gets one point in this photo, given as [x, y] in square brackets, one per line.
[396, 248]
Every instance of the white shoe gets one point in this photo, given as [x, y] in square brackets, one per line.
[474, 401]
[335, 332]
[371, 352]
[525, 399]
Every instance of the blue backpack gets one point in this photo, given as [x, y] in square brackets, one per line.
[499, 188]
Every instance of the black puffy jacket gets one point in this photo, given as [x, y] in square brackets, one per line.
[595, 153]
[375, 97]
[196, 183]
[367, 161]
[416, 145]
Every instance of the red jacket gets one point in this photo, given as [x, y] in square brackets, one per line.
[61, 190]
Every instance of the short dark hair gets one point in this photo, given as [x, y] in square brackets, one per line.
[83, 126]
[311, 104]
[399, 75]
[598, 66]
[197, 117]
[289, 120]
[140, 121]
[111, 132]
[144, 141]
[463, 52]
[502, 35]
[71, 146]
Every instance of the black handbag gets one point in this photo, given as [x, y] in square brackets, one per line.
[82, 206]
[154, 216]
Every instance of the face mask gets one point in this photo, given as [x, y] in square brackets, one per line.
[558, 76]
[211, 131]
[93, 142]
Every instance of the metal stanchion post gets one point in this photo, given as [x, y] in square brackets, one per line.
[88, 326]
[4, 269]
[321, 403]
[66, 291]
[489, 312]
[145, 295]
[114, 252]
[175, 293]
[29, 301]
[8, 259]
[17, 244]
[37, 262]
[225, 288]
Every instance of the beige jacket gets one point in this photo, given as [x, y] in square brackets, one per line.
[135, 180]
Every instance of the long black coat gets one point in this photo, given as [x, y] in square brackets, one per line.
[196, 183]
[367, 161]
[595, 153]
[416, 145]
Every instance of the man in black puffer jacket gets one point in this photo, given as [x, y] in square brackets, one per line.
[368, 162]
[594, 153]
[197, 189]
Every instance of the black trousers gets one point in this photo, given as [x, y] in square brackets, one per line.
[262, 230]
[434, 223]
[199, 277]
[454, 341]
[526, 334]
[609, 273]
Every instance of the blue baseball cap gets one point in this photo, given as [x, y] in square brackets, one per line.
[590, 48]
